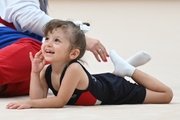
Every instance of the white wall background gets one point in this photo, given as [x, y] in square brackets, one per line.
[129, 26]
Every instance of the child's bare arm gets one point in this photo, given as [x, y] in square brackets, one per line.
[38, 87]
[69, 83]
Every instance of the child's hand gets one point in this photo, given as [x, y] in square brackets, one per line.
[37, 62]
[19, 105]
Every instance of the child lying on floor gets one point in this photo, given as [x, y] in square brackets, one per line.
[72, 84]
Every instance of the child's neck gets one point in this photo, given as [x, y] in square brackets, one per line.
[58, 67]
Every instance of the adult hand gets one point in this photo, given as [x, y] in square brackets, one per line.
[97, 49]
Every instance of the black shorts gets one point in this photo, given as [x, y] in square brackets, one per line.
[121, 91]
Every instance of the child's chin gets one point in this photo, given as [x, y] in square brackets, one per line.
[48, 62]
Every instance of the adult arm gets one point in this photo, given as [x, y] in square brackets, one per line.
[26, 15]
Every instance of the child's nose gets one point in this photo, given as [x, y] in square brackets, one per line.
[49, 43]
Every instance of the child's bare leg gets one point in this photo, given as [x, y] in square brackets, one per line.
[156, 91]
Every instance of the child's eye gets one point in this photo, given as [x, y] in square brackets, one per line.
[57, 40]
[46, 38]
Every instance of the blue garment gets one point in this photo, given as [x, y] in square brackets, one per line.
[9, 36]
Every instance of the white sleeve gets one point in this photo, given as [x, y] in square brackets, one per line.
[26, 15]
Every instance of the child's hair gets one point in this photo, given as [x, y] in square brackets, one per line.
[73, 32]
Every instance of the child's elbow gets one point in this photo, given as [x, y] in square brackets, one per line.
[61, 103]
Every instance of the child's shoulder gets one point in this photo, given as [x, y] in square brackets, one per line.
[75, 66]
[44, 69]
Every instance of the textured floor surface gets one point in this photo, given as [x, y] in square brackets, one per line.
[114, 112]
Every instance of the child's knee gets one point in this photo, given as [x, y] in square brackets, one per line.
[169, 96]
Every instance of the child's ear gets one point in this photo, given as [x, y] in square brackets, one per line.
[74, 54]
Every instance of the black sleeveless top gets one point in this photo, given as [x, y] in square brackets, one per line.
[104, 88]
[90, 96]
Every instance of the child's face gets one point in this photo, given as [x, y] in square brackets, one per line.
[55, 46]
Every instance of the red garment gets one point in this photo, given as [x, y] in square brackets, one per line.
[7, 24]
[15, 72]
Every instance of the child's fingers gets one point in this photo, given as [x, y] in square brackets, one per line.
[37, 55]
[11, 106]
[30, 56]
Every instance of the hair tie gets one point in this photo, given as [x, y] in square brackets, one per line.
[82, 26]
